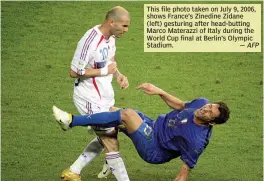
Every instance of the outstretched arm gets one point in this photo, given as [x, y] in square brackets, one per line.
[183, 174]
[170, 100]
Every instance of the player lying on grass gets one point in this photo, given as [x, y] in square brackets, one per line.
[183, 132]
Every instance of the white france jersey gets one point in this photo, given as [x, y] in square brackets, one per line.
[94, 51]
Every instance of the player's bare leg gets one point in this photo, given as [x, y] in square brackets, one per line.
[114, 161]
[109, 143]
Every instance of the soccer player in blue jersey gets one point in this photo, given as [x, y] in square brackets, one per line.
[183, 132]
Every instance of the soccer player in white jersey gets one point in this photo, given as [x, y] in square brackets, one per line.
[94, 66]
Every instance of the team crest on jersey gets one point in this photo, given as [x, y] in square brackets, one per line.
[175, 123]
[172, 123]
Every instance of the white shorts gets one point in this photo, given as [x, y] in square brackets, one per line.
[85, 107]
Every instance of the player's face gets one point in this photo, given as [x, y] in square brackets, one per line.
[120, 27]
[208, 112]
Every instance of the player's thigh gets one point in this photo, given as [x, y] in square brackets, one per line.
[85, 107]
[108, 136]
[131, 119]
[144, 141]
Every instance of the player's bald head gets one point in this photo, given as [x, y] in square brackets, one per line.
[116, 13]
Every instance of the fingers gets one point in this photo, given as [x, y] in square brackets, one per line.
[124, 84]
[122, 81]
[141, 86]
[146, 91]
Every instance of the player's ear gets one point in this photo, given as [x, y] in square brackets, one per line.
[111, 22]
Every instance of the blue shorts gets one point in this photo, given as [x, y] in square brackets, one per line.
[145, 141]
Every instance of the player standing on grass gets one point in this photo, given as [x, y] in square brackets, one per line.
[94, 66]
[184, 132]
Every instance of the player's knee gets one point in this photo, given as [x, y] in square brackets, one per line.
[126, 114]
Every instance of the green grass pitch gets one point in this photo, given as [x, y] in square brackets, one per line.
[38, 42]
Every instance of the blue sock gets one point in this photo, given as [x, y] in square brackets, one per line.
[104, 119]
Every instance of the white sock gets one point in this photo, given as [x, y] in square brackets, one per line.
[93, 149]
[117, 166]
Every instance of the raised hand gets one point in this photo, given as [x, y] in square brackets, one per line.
[122, 81]
[149, 89]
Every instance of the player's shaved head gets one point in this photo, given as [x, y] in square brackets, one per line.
[116, 12]
[116, 23]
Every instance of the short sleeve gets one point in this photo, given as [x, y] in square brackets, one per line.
[78, 66]
[187, 153]
[196, 103]
[190, 157]
[83, 53]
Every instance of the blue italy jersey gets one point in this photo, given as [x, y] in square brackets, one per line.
[178, 135]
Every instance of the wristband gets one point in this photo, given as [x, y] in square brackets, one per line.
[104, 71]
